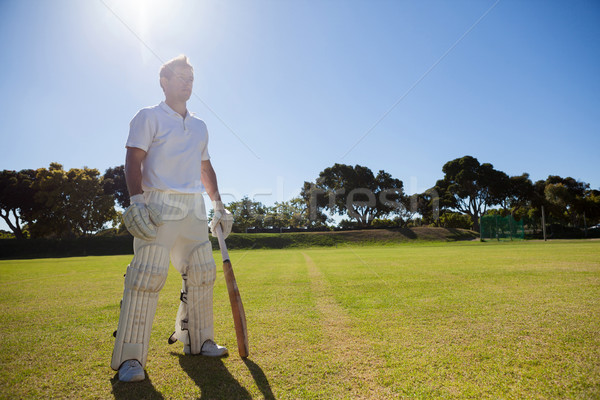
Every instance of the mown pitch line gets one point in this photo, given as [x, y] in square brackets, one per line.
[351, 355]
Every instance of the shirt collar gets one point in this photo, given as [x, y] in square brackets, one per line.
[165, 107]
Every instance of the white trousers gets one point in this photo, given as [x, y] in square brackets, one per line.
[183, 238]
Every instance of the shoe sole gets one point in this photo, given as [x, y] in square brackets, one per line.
[135, 378]
[187, 352]
[215, 354]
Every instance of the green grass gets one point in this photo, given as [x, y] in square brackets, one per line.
[456, 320]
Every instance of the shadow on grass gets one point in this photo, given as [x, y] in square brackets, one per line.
[134, 390]
[260, 378]
[212, 377]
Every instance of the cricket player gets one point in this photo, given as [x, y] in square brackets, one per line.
[167, 169]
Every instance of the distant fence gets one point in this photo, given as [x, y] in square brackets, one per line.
[501, 228]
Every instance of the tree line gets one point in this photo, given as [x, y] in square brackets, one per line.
[52, 202]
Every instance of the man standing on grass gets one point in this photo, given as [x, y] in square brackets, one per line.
[167, 169]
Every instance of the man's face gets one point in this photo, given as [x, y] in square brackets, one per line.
[179, 86]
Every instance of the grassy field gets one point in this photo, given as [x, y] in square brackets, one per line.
[447, 320]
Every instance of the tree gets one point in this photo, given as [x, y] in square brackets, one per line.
[253, 214]
[355, 191]
[451, 219]
[500, 190]
[114, 184]
[72, 203]
[470, 187]
[513, 194]
[247, 214]
[288, 214]
[16, 198]
[564, 198]
[428, 206]
[407, 211]
[300, 217]
[520, 194]
[592, 207]
[310, 195]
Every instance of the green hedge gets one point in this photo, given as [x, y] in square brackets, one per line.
[98, 246]
[112, 245]
[45, 248]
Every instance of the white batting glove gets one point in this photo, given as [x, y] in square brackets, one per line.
[221, 217]
[141, 219]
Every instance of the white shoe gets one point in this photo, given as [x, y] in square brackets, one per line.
[131, 371]
[211, 349]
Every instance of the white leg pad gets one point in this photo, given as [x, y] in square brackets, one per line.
[146, 275]
[194, 322]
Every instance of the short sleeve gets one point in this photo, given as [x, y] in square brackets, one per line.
[141, 130]
[205, 155]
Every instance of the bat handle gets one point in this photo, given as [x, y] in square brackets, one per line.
[222, 245]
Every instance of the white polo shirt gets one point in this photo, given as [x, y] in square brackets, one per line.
[174, 146]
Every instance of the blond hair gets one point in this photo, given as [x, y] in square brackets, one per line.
[167, 69]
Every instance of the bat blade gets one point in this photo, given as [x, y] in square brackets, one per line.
[237, 309]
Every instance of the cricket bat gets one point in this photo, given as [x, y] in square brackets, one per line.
[237, 308]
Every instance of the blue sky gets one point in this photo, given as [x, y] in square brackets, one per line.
[288, 88]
